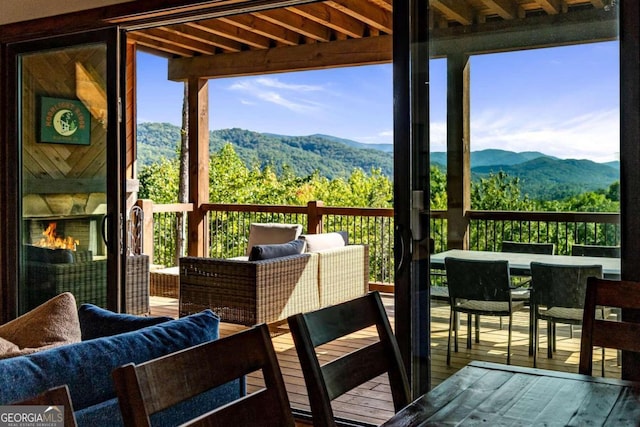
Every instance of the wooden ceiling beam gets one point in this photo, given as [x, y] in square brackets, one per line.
[296, 23]
[535, 32]
[366, 12]
[454, 9]
[232, 32]
[152, 44]
[264, 28]
[383, 4]
[505, 9]
[199, 36]
[341, 53]
[552, 7]
[175, 39]
[332, 18]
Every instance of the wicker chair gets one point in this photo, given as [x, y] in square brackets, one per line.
[252, 292]
[85, 278]
[137, 284]
[249, 292]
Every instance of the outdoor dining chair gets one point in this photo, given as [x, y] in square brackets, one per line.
[557, 296]
[339, 375]
[595, 251]
[175, 379]
[597, 331]
[478, 287]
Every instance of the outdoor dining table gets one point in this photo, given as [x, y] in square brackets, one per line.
[520, 263]
[497, 395]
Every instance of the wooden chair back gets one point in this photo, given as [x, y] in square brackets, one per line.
[528, 248]
[623, 335]
[56, 396]
[333, 379]
[161, 383]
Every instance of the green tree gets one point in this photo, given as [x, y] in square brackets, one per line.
[438, 188]
[498, 192]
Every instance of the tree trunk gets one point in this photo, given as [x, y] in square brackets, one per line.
[183, 190]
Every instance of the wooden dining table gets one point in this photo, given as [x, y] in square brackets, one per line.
[520, 263]
[503, 395]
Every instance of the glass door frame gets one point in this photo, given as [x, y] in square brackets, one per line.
[12, 158]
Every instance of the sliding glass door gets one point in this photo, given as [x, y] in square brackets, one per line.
[66, 170]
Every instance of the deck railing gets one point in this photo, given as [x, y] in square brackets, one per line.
[229, 229]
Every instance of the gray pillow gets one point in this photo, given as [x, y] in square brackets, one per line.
[262, 252]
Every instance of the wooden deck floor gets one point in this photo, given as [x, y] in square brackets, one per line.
[372, 402]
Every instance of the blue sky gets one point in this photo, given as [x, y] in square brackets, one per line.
[561, 101]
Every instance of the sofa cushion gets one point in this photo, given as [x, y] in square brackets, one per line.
[86, 366]
[267, 234]
[7, 348]
[51, 324]
[262, 252]
[96, 322]
[324, 241]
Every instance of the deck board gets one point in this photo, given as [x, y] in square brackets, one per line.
[372, 402]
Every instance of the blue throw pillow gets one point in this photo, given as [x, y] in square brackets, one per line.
[262, 252]
[96, 322]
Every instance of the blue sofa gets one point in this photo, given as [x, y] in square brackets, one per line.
[86, 366]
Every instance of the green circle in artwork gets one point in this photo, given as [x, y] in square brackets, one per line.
[65, 122]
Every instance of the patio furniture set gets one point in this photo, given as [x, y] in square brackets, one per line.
[480, 283]
[276, 278]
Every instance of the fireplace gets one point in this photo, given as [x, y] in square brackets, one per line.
[79, 232]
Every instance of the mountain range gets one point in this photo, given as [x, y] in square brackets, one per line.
[541, 176]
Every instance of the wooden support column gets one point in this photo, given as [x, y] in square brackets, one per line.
[458, 151]
[198, 165]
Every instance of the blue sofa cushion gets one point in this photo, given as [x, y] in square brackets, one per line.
[86, 366]
[96, 322]
[262, 252]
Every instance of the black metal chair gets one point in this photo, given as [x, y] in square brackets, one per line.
[479, 288]
[557, 296]
[529, 247]
[595, 251]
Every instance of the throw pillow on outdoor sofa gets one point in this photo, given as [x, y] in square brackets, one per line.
[96, 322]
[272, 233]
[51, 324]
[262, 252]
[324, 241]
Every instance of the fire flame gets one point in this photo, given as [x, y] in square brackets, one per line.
[52, 241]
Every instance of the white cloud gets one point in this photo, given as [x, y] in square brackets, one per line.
[594, 136]
[274, 91]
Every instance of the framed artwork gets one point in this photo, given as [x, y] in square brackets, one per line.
[64, 121]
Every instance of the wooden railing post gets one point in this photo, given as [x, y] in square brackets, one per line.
[314, 216]
[147, 227]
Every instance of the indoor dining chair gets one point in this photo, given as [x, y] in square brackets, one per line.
[606, 333]
[478, 287]
[557, 296]
[335, 377]
[56, 396]
[166, 382]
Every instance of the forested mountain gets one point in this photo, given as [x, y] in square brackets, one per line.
[542, 177]
[302, 154]
[547, 178]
